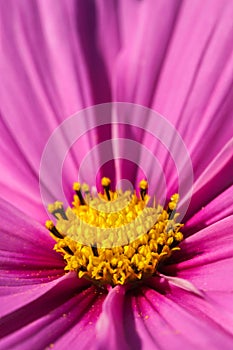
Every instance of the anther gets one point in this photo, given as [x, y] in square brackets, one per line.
[68, 250]
[60, 211]
[174, 243]
[77, 189]
[52, 228]
[106, 185]
[143, 185]
[86, 189]
[171, 210]
[171, 213]
[160, 248]
[94, 250]
[57, 208]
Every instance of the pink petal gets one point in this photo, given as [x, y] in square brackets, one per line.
[108, 30]
[15, 171]
[212, 307]
[61, 316]
[181, 283]
[214, 180]
[206, 258]
[16, 297]
[29, 266]
[39, 91]
[37, 304]
[26, 246]
[213, 276]
[150, 319]
[216, 210]
[223, 299]
[109, 328]
[168, 324]
[194, 88]
[146, 37]
[184, 71]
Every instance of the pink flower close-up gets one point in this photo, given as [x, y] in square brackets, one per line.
[104, 103]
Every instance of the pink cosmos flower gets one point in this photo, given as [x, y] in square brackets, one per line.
[57, 58]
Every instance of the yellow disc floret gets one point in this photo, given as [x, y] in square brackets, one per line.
[115, 238]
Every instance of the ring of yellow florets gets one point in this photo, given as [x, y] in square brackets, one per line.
[122, 240]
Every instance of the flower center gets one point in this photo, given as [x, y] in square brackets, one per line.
[114, 237]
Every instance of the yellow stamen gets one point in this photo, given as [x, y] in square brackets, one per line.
[119, 241]
[52, 228]
[143, 188]
[49, 225]
[143, 184]
[174, 201]
[106, 185]
[105, 181]
[76, 186]
[57, 210]
[77, 189]
[85, 188]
